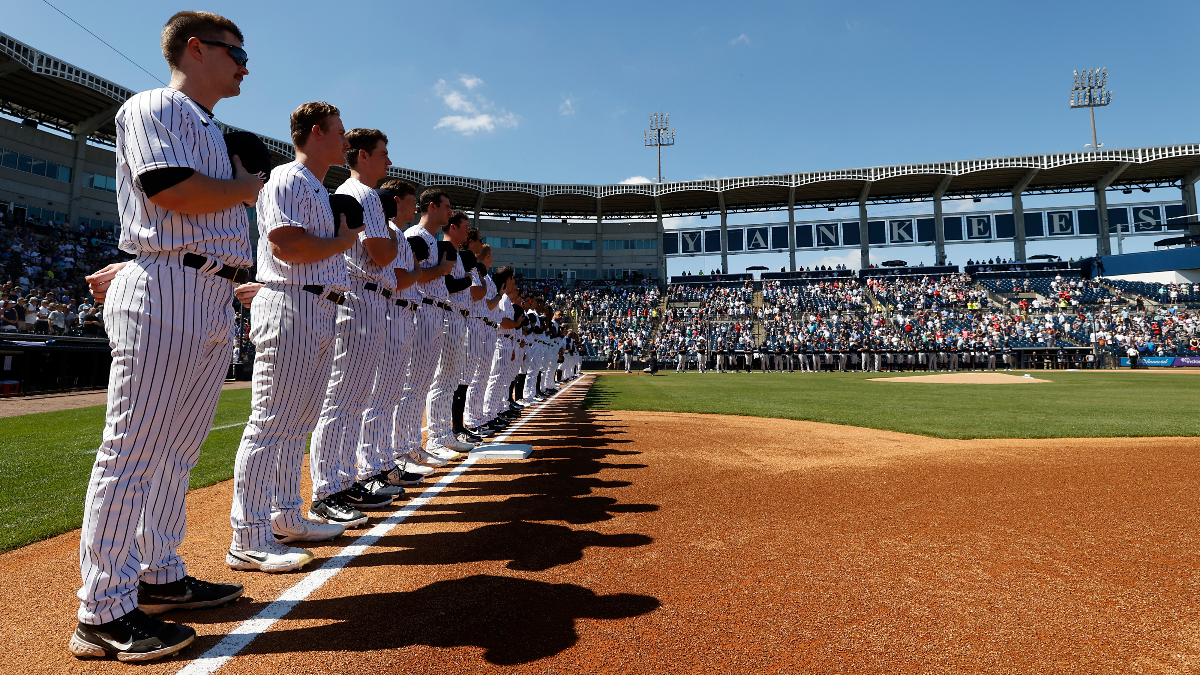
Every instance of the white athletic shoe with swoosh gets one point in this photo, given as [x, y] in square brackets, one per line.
[272, 557]
[442, 451]
[420, 456]
[308, 530]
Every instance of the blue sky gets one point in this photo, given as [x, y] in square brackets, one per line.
[561, 92]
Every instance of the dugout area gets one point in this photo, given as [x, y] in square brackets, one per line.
[682, 542]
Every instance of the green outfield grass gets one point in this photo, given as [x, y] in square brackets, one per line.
[1072, 405]
[45, 460]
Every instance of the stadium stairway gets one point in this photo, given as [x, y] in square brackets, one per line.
[657, 321]
[1127, 296]
[887, 313]
[996, 298]
[756, 325]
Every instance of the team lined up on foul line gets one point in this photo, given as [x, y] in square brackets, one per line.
[362, 329]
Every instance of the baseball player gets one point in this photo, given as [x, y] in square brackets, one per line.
[485, 326]
[435, 209]
[452, 361]
[169, 319]
[361, 327]
[378, 460]
[505, 360]
[293, 326]
[476, 339]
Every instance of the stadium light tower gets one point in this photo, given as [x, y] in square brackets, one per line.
[1089, 93]
[660, 134]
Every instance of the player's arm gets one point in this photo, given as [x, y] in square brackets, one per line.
[296, 245]
[381, 249]
[199, 194]
[479, 293]
[492, 302]
[405, 278]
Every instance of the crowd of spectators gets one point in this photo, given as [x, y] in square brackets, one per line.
[713, 301]
[42, 270]
[1163, 294]
[918, 293]
[806, 297]
[611, 314]
[1167, 331]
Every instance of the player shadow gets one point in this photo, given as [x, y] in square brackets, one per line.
[514, 620]
[529, 547]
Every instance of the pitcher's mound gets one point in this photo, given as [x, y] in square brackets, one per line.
[961, 378]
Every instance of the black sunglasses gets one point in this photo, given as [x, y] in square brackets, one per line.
[239, 55]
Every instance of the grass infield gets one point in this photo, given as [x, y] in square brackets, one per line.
[45, 460]
[1072, 405]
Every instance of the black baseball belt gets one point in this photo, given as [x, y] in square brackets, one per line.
[319, 291]
[406, 303]
[375, 287]
[238, 275]
[439, 305]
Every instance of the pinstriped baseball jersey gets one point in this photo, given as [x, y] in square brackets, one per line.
[404, 261]
[460, 299]
[293, 197]
[375, 226]
[163, 128]
[436, 287]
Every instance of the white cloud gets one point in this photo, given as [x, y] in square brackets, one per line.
[483, 122]
[636, 180]
[568, 106]
[740, 39]
[477, 115]
[707, 176]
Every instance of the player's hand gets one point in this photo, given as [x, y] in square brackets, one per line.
[445, 265]
[250, 182]
[246, 292]
[99, 281]
[346, 235]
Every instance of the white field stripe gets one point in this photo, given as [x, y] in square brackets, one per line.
[239, 638]
[229, 426]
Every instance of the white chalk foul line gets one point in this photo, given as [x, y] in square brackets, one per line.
[229, 426]
[245, 633]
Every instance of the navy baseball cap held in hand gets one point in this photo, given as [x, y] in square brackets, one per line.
[251, 150]
[420, 248]
[349, 206]
[388, 200]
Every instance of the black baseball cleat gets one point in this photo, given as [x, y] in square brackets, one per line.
[468, 437]
[333, 509]
[134, 637]
[379, 486]
[186, 593]
[482, 431]
[357, 496]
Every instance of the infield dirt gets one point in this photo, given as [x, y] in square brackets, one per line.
[656, 542]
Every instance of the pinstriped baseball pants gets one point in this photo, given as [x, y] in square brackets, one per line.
[534, 366]
[482, 350]
[426, 351]
[169, 329]
[361, 325]
[446, 379]
[294, 334]
[375, 453]
[504, 369]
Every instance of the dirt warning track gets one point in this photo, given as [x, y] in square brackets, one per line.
[655, 542]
